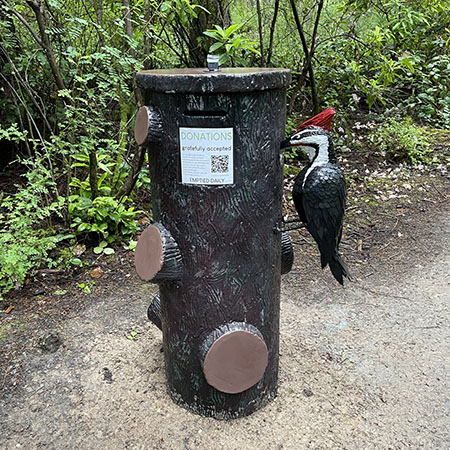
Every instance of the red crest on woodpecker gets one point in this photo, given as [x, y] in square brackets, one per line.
[322, 120]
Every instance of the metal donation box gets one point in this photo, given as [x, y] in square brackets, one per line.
[213, 142]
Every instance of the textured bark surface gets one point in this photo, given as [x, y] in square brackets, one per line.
[231, 255]
[154, 311]
[172, 268]
[287, 253]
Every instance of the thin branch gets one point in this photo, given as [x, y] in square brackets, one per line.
[147, 20]
[30, 116]
[136, 166]
[21, 18]
[297, 89]
[260, 31]
[131, 50]
[93, 176]
[272, 31]
[316, 27]
[128, 26]
[27, 87]
[223, 12]
[38, 10]
[139, 155]
[182, 56]
[308, 57]
[22, 126]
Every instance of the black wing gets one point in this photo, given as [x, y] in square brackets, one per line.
[297, 194]
[323, 199]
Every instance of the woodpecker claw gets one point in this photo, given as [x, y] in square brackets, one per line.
[294, 227]
[291, 220]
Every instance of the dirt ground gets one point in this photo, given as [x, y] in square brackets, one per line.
[365, 366]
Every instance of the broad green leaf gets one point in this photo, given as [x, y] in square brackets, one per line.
[215, 46]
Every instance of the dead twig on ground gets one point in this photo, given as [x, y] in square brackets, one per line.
[438, 191]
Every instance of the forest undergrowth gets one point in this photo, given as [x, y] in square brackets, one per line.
[75, 188]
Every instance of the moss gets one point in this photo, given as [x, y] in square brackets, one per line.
[4, 329]
[438, 136]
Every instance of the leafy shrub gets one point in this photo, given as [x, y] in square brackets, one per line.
[232, 48]
[430, 98]
[106, 216]
[22, 252]
[25, 246]
[402, 140]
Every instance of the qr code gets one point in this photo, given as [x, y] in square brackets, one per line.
[219, 163]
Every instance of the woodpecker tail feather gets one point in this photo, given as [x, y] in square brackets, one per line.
[339, 269]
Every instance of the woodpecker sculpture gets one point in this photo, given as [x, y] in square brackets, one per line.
[319, 191]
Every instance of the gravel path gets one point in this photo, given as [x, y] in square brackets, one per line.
[362, 367]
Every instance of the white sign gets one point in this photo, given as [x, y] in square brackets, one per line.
[206, 155]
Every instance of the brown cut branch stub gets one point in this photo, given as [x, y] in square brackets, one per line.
[154, 312]
[157, 256]
[235, 361]
[141, 125]
[149, 256]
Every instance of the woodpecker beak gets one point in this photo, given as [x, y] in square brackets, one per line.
[292, 142]
[322, 120]
[285, 144]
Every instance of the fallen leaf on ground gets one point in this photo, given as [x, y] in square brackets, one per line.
[143, 221]
[360, 242]
[97, 272]
[60, 292]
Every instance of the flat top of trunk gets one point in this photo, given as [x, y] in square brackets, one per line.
[202, 81]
